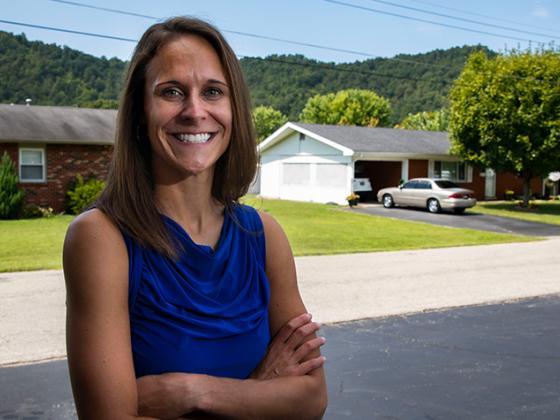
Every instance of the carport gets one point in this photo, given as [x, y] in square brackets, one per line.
[380, 173]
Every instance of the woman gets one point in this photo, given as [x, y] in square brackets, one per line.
[174, 289]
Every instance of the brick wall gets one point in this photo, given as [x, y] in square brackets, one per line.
[12, 150]
[508, 181]
[64, 162]
[504, 181]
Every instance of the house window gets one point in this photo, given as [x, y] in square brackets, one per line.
[453, 171]
[296, 174]
[32, 165]
[331, 175]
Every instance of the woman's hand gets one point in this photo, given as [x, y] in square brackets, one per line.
[288, 352]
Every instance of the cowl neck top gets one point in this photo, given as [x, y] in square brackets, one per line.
[206, 312]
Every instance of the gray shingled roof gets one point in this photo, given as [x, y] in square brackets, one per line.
[383, 140]
[55, 124]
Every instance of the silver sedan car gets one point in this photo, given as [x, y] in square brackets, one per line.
[433, 194]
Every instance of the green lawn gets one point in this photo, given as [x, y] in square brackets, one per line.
[313, 229]
[32, 244]
[545, 211]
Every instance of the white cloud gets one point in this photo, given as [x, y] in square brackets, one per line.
[540, 11]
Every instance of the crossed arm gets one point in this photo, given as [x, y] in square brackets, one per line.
[288, 383]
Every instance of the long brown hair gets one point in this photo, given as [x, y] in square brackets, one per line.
[128, 197]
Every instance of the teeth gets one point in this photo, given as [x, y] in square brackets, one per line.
[193, 138]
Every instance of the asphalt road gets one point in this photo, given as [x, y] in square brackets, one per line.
[496, 361]
[486, 362]
[468, 220]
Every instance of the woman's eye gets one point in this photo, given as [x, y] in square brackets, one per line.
[172, 93]
[213, 92]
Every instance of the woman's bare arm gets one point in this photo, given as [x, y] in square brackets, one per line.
[97, 323]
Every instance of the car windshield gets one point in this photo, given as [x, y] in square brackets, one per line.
[446, 184]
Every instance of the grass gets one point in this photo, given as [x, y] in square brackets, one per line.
[32, 244]
[318, 229]
[545, 211]
[313, 229]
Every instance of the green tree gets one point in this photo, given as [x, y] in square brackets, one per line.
[347, 107]
[426, 121]
[267, 120]
[11, 198]
[505, 113]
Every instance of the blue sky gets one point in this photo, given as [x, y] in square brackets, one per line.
[321, 22]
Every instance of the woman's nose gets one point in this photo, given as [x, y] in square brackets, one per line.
[193, 108]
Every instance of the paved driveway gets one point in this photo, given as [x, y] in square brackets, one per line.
[468, 220]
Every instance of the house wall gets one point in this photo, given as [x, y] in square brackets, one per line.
[508, 181]
[63, 163]
[12, 149]
[304, 169]
[504, 181]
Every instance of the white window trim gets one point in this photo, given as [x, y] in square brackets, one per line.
[44, 163]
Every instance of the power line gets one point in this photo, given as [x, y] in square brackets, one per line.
[466, 12]
[355, 6]
[339, 69]
[271, 59]
[251, 35]
[106, 9]
[477, 22]
[69, 31]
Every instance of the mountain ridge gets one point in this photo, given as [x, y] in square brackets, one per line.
[53, 75]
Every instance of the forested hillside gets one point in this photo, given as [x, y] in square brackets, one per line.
[53, 75]
[412, 83]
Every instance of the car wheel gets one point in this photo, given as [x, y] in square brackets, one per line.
[388, 201]
[433, 206]
[459, 210]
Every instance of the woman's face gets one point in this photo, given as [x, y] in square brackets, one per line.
[187, 109]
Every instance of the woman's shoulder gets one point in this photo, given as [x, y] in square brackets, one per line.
[93, 231]
[269, 223]
[95, 258]
[91, 222]
[248, 216]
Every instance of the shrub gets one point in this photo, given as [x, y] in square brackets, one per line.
[83, 194]
[509, 195]
[34, 211]
[11, 198]
[31, 212]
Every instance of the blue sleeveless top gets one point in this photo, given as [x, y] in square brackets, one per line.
[207, 312]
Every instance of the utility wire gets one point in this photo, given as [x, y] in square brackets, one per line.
[354, 71]
[106, 9]
[70, 31]
[252, 35]
[271, 59]
[477, 22]
[466, 12]
[462, 28]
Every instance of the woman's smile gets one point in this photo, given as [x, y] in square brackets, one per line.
[199, 138]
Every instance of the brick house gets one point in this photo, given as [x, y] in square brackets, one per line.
[320, 163]
[51, 145]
